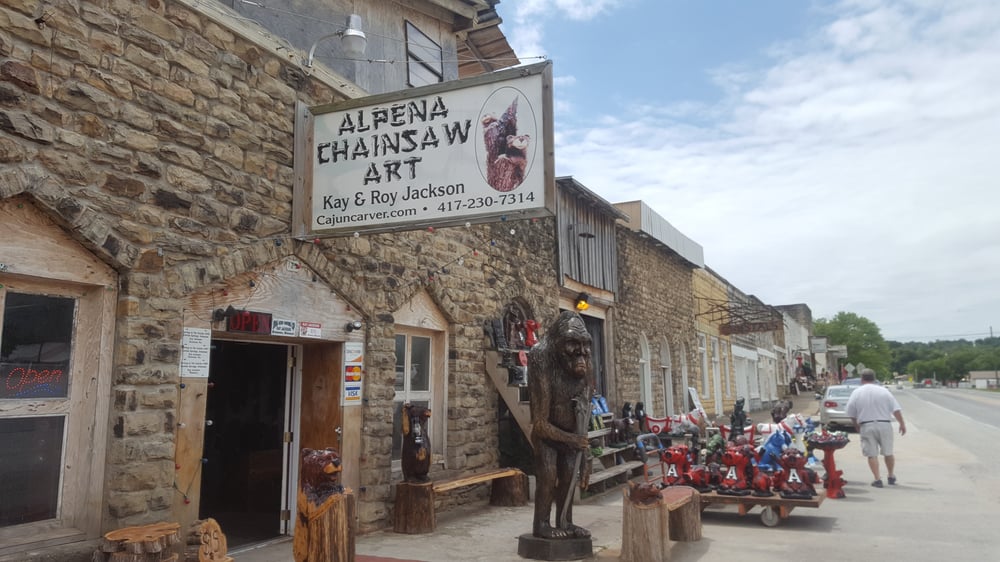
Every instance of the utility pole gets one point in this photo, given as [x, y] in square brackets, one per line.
[996, 371]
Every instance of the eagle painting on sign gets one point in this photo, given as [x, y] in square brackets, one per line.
[446, 154]
[507, 154]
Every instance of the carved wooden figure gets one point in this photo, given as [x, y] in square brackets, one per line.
[560, 367]
[324, 531]
[416, 453]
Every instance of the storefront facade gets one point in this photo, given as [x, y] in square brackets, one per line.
[166, 341]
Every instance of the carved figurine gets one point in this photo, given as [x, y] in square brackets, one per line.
[761, 485]
[676, 464]
[737, 419]
[780, 410]
[646, 493]
[416, 453]
[531, 331]
[701, 478]
[559, 385]
[770, 452]
[714, 448]
[795, 481]
[734, 471]
[319, 474]
[640, 416]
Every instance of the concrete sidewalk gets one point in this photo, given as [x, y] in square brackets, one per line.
[484, 533]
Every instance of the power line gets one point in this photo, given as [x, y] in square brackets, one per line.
[914, 338]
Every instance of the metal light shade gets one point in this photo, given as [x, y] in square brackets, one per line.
[352, 38]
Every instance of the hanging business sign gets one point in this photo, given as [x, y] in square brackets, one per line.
[466, 151]
[818, 344]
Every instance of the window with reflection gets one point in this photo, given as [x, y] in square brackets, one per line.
[36, 337]
[35, 346]
[424, 58]
[414, 373]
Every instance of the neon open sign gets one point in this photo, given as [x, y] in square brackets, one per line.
[27, 380]
[250, 322]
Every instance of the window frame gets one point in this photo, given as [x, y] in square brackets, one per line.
[703, 356]
[422, 53]
[84, 411]
[421, 317]
[667, 376]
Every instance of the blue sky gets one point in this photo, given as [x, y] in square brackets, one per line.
[845, 154]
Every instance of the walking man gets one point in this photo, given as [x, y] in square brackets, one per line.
[871, 407]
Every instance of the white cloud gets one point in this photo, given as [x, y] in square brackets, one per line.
[857, 171]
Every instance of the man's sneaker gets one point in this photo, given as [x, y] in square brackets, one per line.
[892, 480]
[877, 483]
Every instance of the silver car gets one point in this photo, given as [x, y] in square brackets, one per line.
[833, 406]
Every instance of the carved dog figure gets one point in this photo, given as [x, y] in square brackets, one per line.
[416, 453]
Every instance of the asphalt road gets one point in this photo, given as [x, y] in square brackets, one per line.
[945, 507]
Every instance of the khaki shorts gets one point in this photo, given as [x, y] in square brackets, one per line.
[876, 439]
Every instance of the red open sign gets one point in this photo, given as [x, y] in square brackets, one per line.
[249, 322]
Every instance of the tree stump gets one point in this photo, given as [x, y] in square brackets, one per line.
[645, 531]
[684, 505]
[206, 542]
[146, 543]
[325, 532]
[510, 490]
[414, 510]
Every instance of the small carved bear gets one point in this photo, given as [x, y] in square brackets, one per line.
[644, 494]
[320, 474]
[416, 453]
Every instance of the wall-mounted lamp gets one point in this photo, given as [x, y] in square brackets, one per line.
[352, 39]
[582, 302]
[352, 326]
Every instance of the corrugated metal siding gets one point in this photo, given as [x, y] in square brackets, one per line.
[591, 261]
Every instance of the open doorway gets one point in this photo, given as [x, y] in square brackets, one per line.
[246, 416]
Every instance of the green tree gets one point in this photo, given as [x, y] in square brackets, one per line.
[862, 337]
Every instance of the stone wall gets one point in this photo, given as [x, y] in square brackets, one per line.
[162, 140]
[655, 299]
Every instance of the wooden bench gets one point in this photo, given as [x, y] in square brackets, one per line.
[413, 512]
[648, 529]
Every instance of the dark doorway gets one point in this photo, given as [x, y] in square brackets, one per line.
[243, 468]
[596, 328]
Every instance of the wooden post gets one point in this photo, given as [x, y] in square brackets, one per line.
[510, 490]
[645, 531]
[684, 505]
[325, 532]
[414, 510]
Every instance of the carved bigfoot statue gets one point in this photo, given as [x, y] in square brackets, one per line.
[559, 384]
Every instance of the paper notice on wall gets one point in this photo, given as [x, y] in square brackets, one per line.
[196, 348]
[310, 330]
[281, 327]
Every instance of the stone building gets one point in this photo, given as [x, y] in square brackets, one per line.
[654, 335]
[169, 342]
[172, 345]
[714, 345]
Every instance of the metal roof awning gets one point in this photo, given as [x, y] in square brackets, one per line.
[484, 48]
[740, 317]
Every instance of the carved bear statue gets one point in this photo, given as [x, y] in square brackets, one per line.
[416, 453]
[320, 474]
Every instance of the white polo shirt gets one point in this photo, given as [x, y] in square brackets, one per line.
[875, 402]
